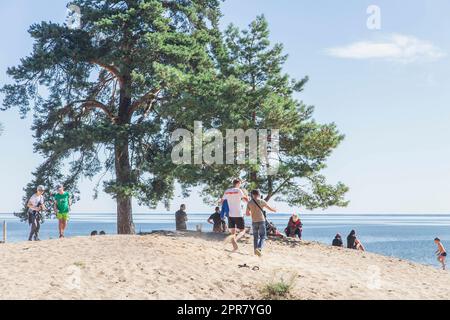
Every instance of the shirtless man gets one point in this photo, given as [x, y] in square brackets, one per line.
[441, 253]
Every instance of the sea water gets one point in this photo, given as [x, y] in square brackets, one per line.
[404, 236]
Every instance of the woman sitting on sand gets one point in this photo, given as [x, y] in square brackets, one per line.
[354, 243]
[295, 227]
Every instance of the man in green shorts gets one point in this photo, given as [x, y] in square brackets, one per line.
[62, 205]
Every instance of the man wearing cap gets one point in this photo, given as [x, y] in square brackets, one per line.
[62, 204]
[35, 206]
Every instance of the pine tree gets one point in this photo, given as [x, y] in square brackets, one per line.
[106, 95]
[268, 102]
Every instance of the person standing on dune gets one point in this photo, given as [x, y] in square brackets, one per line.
[236, 222]
[181, 218]
[62, 204]
[35, 206]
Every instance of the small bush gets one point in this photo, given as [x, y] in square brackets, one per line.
[278, 290]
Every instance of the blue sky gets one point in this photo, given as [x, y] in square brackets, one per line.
[387, 90]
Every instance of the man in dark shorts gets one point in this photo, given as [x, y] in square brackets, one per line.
[236, 222]
[216, 220]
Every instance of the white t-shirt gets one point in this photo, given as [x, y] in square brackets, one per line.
[234, 197]
[35, 200]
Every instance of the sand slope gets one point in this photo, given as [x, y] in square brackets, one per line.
[191, 266]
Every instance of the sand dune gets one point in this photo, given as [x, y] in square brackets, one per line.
[200, 266]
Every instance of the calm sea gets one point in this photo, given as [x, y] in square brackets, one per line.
[408, 237]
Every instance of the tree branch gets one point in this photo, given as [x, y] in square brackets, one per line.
[111, 69]
[278, 189]
[93, 104]
[153, 95]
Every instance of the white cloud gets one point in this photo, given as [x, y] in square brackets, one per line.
[395, 47]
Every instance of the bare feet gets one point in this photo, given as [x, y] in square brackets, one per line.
[235, 245]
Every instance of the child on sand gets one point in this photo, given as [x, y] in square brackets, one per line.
[255, 209]
[441, 253]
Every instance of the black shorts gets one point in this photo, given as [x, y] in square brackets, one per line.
[236, 223]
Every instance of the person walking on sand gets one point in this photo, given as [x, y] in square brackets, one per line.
[217, 222]
[236, 222]
[35, 207]
[62, 204]
[255, 209]
[181, 218]
[441, 252]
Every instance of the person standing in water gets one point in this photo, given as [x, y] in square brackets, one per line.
[62, 204]
[236, 222]
[441, 252]
[255, 209]
[35, 206]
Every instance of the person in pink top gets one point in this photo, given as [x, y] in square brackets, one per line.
[236, 222]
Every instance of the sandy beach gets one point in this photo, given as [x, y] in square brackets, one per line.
[201, 266]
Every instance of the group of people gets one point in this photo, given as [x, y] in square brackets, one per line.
[256, 209]
[62, 202]
[231, 209]
[352, 242]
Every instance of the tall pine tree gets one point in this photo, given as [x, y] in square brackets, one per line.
[105, 96]
[268, 102]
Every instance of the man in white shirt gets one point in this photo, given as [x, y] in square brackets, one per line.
[236, 223]
[35, 206]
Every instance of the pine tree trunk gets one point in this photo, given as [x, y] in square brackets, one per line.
[125, 223]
